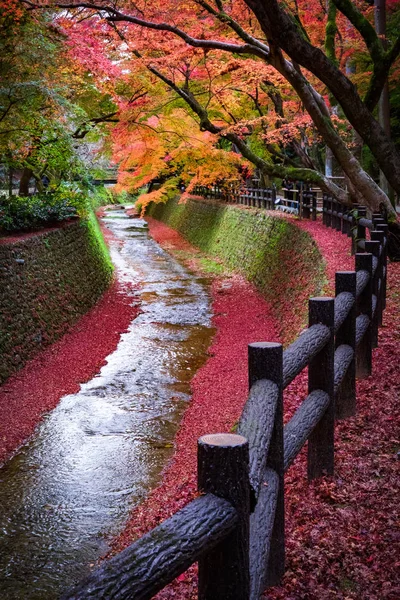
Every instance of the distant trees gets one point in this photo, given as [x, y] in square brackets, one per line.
[46, 101]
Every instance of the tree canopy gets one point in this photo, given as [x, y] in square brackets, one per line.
[196, 83]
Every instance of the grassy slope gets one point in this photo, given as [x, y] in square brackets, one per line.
[282, 261]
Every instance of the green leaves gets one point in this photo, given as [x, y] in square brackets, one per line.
[18, 214]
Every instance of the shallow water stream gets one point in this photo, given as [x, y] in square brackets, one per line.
[69, 490]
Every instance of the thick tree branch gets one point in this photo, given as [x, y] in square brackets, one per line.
[84, 128]
[330, 32]
[380, 75]
[115, 16]
[279, 28]
[364, 28]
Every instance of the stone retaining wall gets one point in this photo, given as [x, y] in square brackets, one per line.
[47, 281]
[270, 251]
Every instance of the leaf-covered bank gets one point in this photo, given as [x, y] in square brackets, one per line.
[282, 261]
[48, 280]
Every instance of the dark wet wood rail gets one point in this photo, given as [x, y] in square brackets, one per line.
[235, 529]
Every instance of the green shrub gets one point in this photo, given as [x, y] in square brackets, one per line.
[33, 212]
[101, 196]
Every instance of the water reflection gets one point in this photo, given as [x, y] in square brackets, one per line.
[97, 454]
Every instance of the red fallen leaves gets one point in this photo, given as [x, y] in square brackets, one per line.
[219, 392]
[341, 531]
[60, 368]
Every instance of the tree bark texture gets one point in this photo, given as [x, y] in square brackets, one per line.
[298, 355]
[223, 470]
[153, 561]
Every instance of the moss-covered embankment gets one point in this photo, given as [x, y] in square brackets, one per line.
[47, 281]
[280, 259]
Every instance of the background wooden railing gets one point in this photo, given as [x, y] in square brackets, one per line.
[297, 201]
[235, 529]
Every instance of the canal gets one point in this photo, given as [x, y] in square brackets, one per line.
[69, 490]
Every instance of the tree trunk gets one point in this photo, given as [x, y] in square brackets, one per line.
[282, 30]
[383, 106]
[370, 193]
[24, 182]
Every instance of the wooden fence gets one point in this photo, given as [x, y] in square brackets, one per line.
[235, 528]
[297, 201]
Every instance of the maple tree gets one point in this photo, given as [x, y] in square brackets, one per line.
[297, 46]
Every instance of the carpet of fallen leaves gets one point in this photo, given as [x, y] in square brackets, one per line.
[341, 531]
[219, 391]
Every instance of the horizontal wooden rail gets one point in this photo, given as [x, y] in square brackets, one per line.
[298, 429]
[261, 528]
[344, 302]
[298, 355]
[363, 278]
[153, 561]
[344, 355]
[362, 324]
[367, 223]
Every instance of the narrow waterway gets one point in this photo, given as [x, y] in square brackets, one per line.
[69, 490]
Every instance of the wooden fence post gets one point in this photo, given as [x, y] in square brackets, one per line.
[329, 208]
[373, 248]
[385, 228]
[223, 470]
[354, 230]
[345, 401]
[361, 230]
[379, 236]
[273, 198]
[350, 227]
[345, 222]
[266, 362]
[338, 220]
[314, 206]
[364, 307]
[321, 377]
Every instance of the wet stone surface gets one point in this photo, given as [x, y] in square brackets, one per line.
[94, 457]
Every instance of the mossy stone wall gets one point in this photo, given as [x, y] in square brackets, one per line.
[47, 281]
[270, 251]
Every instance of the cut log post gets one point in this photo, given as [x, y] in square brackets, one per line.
[321, 377]
[329, 212]
[345, 401]
[364, 307]
[266, 362]
[338, 220]
[350, 226]
[361, 231]
[385, 229]
[354, 229]
[379, 236]
[373, 248]
[223, 470]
